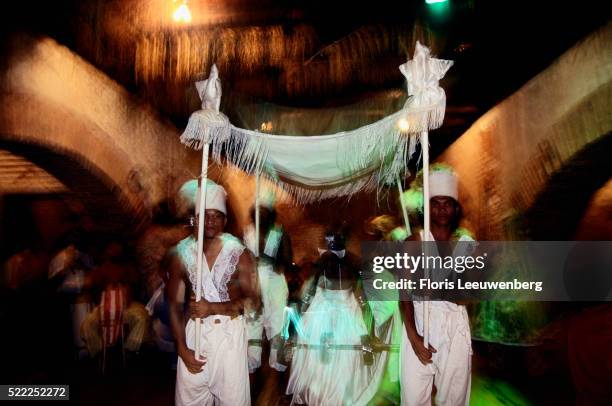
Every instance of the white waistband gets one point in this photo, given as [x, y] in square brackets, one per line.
[221, 317]
[441, 305]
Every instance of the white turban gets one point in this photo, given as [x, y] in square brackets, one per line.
[215, 196]
[443, 182]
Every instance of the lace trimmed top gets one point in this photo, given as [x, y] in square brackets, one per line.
[215, 280]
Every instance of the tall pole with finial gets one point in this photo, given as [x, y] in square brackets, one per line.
[203, 126]
[422, 74]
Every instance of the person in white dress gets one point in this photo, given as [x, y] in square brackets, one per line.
[333, 375]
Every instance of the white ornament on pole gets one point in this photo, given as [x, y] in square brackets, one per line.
[426, 229]
[200, 243]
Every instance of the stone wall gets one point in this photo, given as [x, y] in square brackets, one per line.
[507, 157]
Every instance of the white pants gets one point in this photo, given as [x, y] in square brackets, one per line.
[450, 370]
[225, 377]
[274, 293]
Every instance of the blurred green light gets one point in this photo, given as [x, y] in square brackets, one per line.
[438, 9]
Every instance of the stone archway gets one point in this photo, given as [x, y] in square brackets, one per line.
[104, 202]
[54, 101]
[559, 208]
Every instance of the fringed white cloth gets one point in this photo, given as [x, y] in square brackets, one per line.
[325, 166]
[206, 126]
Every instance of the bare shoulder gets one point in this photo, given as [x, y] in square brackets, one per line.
[465, 234]
[172, 256]
[246, 260]
[174, 264]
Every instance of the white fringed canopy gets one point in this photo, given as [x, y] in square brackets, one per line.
[323, 166]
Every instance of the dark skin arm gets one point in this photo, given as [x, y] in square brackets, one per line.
[285, 255]
[416, 341]
[177, 286]
[242, 289]
[472, 275]
[407, 312]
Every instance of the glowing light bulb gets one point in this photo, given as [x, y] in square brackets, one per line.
[266, 126]
[403, 124]
[182, 14]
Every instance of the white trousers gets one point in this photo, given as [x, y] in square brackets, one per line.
[224, 379]
[274, 293]
[450, 370]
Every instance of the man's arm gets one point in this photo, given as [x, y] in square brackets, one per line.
[470, 275]
[176, 302]
[407, 311]
[248, 282]
[416, 341]
[285, 255]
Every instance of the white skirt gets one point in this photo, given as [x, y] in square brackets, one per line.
[336, 376]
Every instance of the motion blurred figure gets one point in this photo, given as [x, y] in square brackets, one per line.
[115, 277]
[274, 259]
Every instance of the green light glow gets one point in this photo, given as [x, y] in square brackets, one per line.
[507, 321]
[488, 391]
[438, 10]
[291, 316]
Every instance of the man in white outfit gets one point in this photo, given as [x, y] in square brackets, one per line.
[275, 257]
[447, 362]
[220, 374]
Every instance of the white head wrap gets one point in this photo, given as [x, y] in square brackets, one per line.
[215, 196]
[443, 183]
